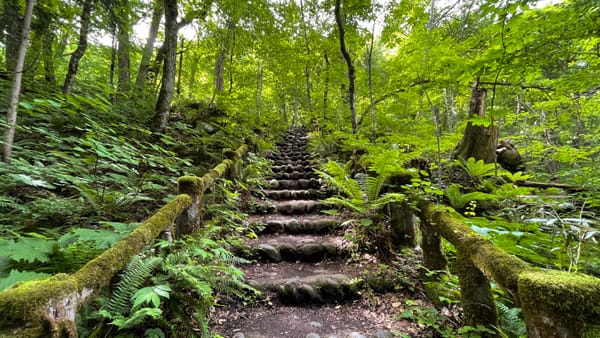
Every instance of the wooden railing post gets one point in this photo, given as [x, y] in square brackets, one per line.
[433, 253]
[476, 295]
[190, 219]
[402, 225]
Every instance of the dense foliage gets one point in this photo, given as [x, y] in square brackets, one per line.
[88, 164]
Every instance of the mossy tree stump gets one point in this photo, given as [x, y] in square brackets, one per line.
[479, 141]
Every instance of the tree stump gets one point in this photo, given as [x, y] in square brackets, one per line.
[478, 141]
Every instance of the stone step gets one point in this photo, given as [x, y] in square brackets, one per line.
[298, 207]
[289, 162]
[305, 224]
[305, 194]
[290, 156]
[292, 248]
[294, 175]
[290, 168]
[311, 183]
[299, 283]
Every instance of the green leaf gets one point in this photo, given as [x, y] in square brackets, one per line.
[16, 276]
[28, 249]
[30, 181]
[150, 295]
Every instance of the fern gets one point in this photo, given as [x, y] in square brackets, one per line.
[476, 168]
[458, 200]
[133, 278]
[510, 321]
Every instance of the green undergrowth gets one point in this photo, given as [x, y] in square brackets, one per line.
[85, 171]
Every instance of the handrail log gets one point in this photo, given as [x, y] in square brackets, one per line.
[555, 303]
[47, 308]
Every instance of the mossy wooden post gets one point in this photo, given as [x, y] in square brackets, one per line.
[560, 304]
[189, 220]
[433, 254]
[236, 163]
[476, 295]
[402, 225]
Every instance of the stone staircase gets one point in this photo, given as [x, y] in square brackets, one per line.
[301, 261]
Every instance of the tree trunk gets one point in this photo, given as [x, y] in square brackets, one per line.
[161, 111]
[11, 114]
[478, 141]
[123, 28]
[48, 57]
[370, 75]
[351, 70]
[307, 66]
[157, 13]
[13, 25]
[326, 85]
[81, 46]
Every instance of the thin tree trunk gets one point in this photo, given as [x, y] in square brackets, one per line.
[351, 70]
[231, 54]
[326, 85]
[13, 28]
[259, 88]
[124, 63]
[48, 57]
[306, 67]
[180, 65]
[81, 46]
[163, 104]
[11, 114]
[370, 74]
[157, 13]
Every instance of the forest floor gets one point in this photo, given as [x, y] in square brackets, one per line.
[401, 313]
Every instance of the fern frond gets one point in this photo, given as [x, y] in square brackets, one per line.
[374, 184]
[133, 277]
[354, 205]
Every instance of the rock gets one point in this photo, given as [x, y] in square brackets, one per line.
[382, 334]
[356, 335]
[239, 335]
[312, 251]
[269, 252]
[315, 324]
[312, 335]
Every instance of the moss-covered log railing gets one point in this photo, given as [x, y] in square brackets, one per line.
[554, 303]
[47, 308]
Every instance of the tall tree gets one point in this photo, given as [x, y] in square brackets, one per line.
[123, 29]
[339, 19]
[12, 23]
[157, 14]
[11, 114]
[167, 88]
[85, 23]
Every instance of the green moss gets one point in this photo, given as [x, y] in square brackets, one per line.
[191, 185]
[494, 262]
[25, 306]
[560, 302]
[99, 271]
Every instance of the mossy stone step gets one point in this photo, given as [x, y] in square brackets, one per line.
[304, 194]
[303, 183]
[301, 284]
[290, 168]
[296, 207]
[295, 175]
[306, 224]
[290, 156]
[306, 248]
[287, 162]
